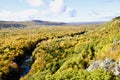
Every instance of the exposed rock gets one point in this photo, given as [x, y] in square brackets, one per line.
[117, 69]
[94, 65]
[107, 64]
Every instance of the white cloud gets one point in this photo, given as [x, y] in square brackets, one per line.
[103, 15]
[35, 3]
[70, 12]
[67, 16]
[4, 14]
[54, 10]
[23, 15]
[58, 6]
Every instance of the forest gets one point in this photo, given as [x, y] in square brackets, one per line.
[69, 52]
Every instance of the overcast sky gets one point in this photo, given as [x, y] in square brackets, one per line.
[59, 10]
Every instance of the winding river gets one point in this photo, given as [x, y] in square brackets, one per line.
[25, 67]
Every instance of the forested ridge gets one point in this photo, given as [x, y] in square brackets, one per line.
[59, 53]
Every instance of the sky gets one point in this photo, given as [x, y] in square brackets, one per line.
[59, 10]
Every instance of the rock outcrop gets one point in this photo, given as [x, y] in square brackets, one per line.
[107, 64]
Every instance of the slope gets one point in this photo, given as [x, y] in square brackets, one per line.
[69, 57]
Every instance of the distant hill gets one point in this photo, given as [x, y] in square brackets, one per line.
[18, 24]
[32, 23]
[39, 22]
[86, 23]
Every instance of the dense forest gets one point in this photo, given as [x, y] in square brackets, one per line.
[82, 52]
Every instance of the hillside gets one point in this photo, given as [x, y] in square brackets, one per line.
[69, 57]
[59, 53]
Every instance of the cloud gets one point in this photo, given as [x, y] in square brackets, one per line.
[35, 3]
[53, 10]
[23, 15]
[67, 16]
[58, 6]
[70, 12]
[94, 13]
[103, 15]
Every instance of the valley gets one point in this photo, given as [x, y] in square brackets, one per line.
[59, 52]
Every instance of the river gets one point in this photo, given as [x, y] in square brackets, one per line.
[25, 67]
